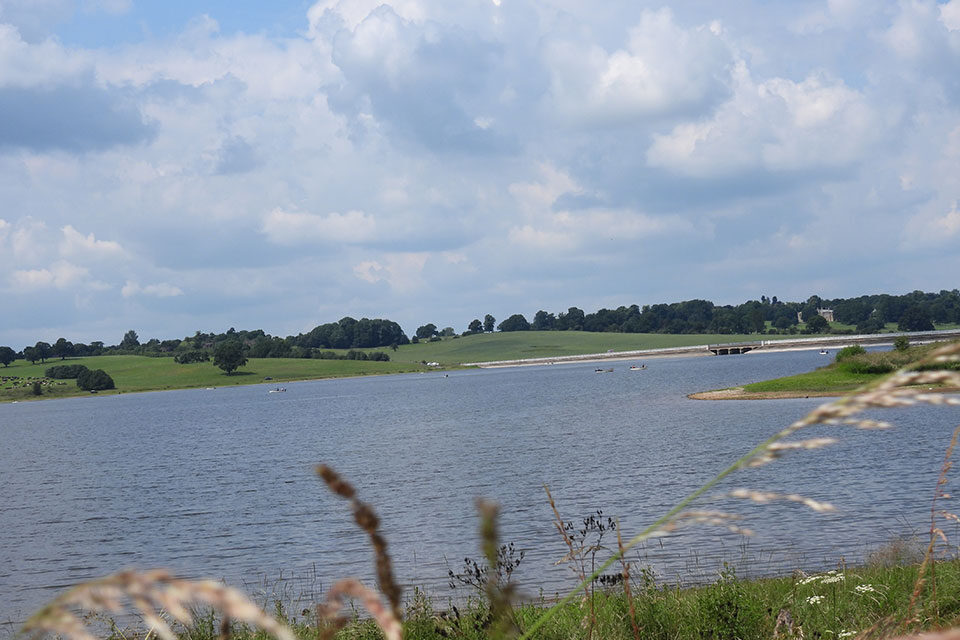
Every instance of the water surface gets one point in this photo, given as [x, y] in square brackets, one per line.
[219, 483]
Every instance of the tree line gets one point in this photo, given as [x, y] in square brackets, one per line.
[915, 311]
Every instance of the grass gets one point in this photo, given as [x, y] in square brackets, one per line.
[517, 345]
[141, 373]
[842, 377]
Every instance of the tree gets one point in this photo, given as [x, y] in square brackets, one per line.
[7, 355]
[475, 326]
[448, 332]
[96, 380]
[915, 318]
[902, 343]
[130, 340]
[516, 322]
[43, 350]
[817, 324]
[62, 348]
[426, 331]
[543, 321]
[30, 353]
[488, 323]
[229, 356]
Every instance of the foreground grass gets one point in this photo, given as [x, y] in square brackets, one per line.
[836, 604]
[141, 373]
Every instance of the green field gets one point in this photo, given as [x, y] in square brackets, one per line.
[841, 377]
[141, 373]
[517, 345]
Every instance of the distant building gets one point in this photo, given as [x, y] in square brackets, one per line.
[826, 313]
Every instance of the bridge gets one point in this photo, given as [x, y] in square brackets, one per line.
[832, 341]
[734, 348]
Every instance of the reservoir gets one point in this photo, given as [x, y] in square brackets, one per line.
[219, 483]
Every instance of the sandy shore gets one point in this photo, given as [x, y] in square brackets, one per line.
[738, 393]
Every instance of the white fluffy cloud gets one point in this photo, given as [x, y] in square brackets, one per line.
[778, 125]
[292, 227]
[158, 290]
[664, 70]
[410, 158]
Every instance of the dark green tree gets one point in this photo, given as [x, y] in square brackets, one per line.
[572, 320]
[130, 340]
[488, 323]
[43, 351]
[229, 356]
[30, 353]
[543, 321]
[426, 331]
[96, 380]
[62, 348]
[7, 355]
[475, 326]
[817, 324]
[915, 318]
[516, 322]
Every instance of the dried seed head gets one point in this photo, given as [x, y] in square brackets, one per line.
[335, 483]
[148, 592]
[764, 497]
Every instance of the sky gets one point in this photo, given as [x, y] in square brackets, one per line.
[189, 165]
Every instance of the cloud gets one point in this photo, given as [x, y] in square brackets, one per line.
[60, 275]
[778, 126]
[76, 244]
[236, 155]
[292, 228]
[159, 290]
[402, 271]
[950, 15]
[664, 70]
[426, 82]
[76, 119]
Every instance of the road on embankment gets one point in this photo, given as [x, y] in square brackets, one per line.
[783, 344]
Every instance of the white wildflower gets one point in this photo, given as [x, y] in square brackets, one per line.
[864, 588]
[814, 599]
[832, 579]
[810, 579]
[846, 634]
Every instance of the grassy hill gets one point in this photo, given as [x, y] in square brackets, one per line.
[541, 344]
[141, 373]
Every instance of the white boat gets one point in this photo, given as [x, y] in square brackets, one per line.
[277, 390]
[824, 352]
[640, 368]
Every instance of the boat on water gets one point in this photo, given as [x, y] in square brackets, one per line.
[824, 352]
[636, 368]
[277, 390]
[599, 370]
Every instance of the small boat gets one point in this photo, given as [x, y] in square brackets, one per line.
[824, 352]
[277, 390]
[636, 368]
[598, 370]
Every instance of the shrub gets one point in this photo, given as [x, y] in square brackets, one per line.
[849, 352]
[36, 388]
[902, 343]
[96, 380]
[65, 371]
[189, 357]
[863, 365]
